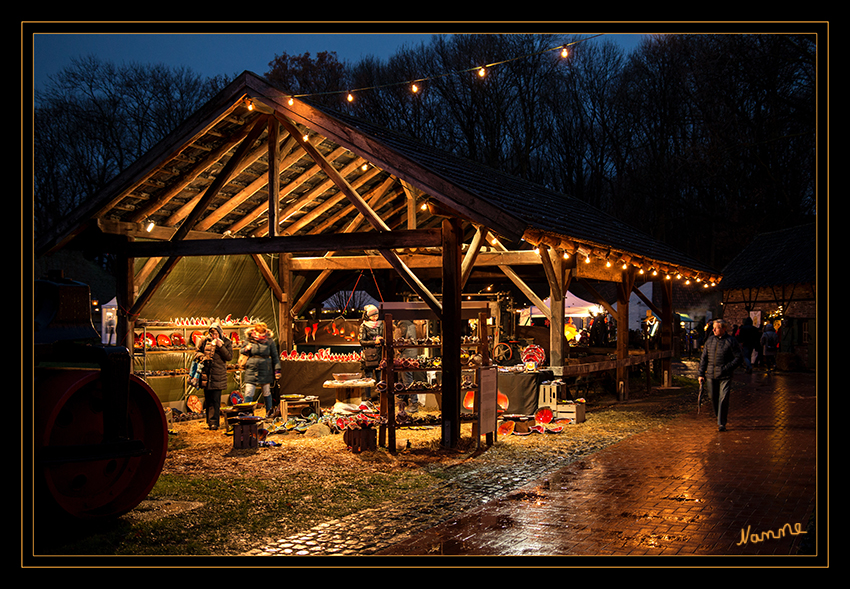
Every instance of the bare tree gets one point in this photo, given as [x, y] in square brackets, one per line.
[94, 119]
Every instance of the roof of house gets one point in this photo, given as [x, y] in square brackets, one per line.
[383, 166]
[782, 257]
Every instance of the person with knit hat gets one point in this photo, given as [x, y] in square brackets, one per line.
[217, 351]
[263, 366]
[371, 336]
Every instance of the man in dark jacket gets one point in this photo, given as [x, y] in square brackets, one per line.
[721, 354]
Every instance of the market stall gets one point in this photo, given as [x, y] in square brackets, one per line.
[261, 203]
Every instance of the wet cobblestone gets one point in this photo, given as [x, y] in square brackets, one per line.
[414, 523]
[372, 530]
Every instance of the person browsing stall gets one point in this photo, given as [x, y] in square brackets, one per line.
[263, 365]
[218, 351]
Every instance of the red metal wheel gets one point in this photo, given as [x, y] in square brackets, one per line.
[69, 412]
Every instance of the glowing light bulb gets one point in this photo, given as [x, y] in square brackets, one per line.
[350, 97]
[564, 52]
[481, 72]
[414, 88]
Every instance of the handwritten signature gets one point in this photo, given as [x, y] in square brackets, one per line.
[747, 536]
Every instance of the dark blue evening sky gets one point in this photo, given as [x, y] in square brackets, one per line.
[226, 53]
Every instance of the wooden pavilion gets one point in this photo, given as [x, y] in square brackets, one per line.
[257, 172]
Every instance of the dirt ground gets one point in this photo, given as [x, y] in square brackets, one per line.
[196, 450]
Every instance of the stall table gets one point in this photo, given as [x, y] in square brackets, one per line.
[349, 391]
[307, 377]
[522, 389]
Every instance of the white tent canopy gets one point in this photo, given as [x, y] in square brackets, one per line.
[573, 307]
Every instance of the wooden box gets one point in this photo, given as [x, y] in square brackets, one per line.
[361, 440]
[245, 435]
[550, 394]
[574, 411]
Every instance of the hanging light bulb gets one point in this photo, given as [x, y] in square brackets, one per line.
[291, 101]
[566, 255]
[564, 52]
[350, 97]
[482, 72]
[149, 227]
[414, 88]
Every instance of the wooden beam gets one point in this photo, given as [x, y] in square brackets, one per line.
[274, 176]
[371, 216]
[647, 302]
[551, 277]
[207, 162]
[471, 255]
[527, 291]
[557, 338]
[190, 213]
[293, 244]
[196, 213]
[599, 298]
[411, 204]
[285, 330]
[428, 181]
[308, 294]
[268, 276]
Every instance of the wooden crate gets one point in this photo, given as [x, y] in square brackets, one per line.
[361, 440]
[549, 395]
[245, 435]
[574, 411]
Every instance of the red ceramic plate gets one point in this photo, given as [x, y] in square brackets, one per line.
[177, 339]
[506, 428]
[194, 404]
[543, 415]
[163, 340]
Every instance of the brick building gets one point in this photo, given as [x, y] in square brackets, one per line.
[775, 279]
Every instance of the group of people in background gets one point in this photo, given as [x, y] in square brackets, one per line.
[258, 357]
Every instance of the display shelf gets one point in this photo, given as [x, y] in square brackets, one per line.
[155, 361]
[389, 369]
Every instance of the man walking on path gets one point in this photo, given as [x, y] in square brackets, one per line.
[721, 354]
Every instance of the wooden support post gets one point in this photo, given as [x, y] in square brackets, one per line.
[624, 289]
[557, 290]
[451, 333]
[125, 292]
[667, 331]
[285, 339]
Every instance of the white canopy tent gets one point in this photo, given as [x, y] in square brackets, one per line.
[573, 307]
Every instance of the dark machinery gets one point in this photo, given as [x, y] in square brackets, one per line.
[99, 433]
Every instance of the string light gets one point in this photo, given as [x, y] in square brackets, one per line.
[414, 86]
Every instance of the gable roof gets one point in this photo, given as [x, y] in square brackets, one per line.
[165, 185]
[783, 257]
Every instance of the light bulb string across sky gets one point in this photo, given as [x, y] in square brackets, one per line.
[415, 82]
